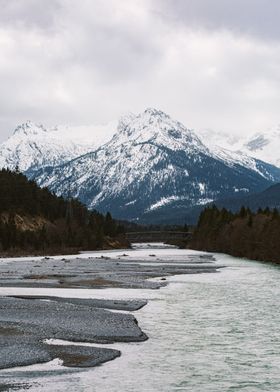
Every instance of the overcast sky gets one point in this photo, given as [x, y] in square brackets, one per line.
[208, 63]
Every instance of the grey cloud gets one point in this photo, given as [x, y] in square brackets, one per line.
[211, 64]
[38, 14]
[259, 18]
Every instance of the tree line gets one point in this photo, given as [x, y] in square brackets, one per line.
[33, 218]
[254, 235]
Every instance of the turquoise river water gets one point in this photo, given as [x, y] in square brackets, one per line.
[207, 333]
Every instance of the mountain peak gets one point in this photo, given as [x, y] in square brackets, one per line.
[152, 165]
[33, 145]
[155, 128]
[155, 112]
[30, 128]
[148, 117]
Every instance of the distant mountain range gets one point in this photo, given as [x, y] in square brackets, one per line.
[33, 146]
[153, 169]
[261, 145]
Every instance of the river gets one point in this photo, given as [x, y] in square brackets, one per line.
[207, 333]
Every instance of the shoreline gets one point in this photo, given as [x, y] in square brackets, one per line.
[59, 252]
[41, 317]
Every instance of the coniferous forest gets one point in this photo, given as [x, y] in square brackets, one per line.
[35, 220]
[243, 234]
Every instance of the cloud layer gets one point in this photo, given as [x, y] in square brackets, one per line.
[209, 64]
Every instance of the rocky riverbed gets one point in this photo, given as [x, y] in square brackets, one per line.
[28, 322]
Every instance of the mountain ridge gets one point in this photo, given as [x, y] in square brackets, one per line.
[152, 165]
[152, 161]
[262, 145]
[34, 146]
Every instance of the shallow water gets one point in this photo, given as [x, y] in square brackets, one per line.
[207, 333]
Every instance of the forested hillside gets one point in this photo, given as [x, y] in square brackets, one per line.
[34, 219]
[244, 234]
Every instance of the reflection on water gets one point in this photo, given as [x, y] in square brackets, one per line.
[208, 333]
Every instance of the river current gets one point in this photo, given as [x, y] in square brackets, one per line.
[207, 333]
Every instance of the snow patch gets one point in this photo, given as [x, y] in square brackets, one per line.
[163, 201]
[131, 202]
[206, 200]
[240, 189]
[202, 187]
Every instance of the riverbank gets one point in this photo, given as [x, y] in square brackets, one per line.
[213, 332]
[246, 234]
[108, 244]
[29, 317]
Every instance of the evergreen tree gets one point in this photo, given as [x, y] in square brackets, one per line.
[68, 223]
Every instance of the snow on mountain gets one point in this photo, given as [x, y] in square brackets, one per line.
[233, 158]
[264, 145]
[33, 146]
[151, 164]
[212, 138]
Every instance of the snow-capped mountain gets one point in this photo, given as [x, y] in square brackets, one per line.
[33, 146]
[264, 145]
[213, 138]
[152, 163]
[261, 145]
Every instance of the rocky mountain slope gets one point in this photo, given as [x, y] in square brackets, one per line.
[270, 198]
[265, 145]
[154, 163]
[178, 212]
[33, 146]
[261, 145]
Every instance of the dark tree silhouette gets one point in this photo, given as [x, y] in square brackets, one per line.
[33, 218]
[245, 234]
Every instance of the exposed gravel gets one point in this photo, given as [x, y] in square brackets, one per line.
[25, 324]
[129, 305]
[98, 272]
[27, 321]
[27, 350]
[78, 323]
